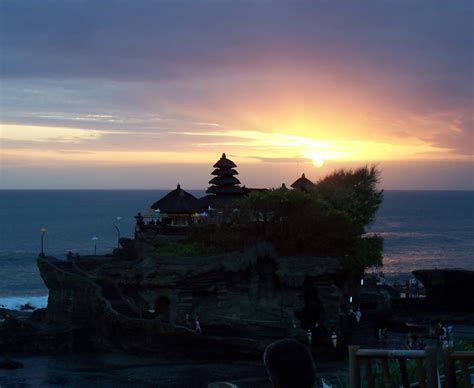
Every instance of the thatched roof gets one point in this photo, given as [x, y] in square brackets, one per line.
[303, 183]
[177, 201]
[225, 172]
[224, 181]
[223, 162]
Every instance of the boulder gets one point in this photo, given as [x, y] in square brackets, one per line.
[27, 306]
[448, 287]
[8, 363]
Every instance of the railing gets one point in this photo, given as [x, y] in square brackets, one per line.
[450, 357]
[427, 371]
[426, 378]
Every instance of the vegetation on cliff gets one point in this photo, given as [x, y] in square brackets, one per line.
[330, 219]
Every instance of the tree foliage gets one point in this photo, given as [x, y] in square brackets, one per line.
[354, 192]
[329, 220]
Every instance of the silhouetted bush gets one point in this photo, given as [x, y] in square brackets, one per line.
[329, 220]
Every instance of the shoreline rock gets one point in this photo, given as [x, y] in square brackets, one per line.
[450, 286]
[244, 300]
[10, 364]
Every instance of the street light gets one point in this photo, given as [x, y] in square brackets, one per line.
[94, 240]
[43, 232]
[117, 228]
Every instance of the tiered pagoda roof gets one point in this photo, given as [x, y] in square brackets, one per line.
[224, 182]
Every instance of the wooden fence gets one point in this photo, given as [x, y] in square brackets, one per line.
[426, 367]
[450, 357]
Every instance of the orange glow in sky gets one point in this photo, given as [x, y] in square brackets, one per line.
[275, 85]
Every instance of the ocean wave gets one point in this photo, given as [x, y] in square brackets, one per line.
[404, 234]
[15, 302]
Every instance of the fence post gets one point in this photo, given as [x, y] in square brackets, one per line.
[466, 375]
[421, 373]
[354, 367]
[368, 372]
[431, 367]
[404, 372]
[449, 370]
[387, 380]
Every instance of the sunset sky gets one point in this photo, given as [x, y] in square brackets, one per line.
[130, 94]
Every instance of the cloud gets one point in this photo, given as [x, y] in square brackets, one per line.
[168, 40]
[281, 160]
[275, 79]
[46, 134]
[73, 152]
[460, 138]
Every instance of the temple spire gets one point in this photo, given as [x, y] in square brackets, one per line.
[224, 181]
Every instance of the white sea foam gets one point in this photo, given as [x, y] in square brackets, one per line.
[15, 302]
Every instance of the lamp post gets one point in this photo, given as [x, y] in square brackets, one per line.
[94, 240]
[43, 232]
[117, 228]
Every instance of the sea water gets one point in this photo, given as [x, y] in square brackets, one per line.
[421, 229]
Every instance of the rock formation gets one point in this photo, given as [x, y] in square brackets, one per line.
[243, 299]
[450, 286]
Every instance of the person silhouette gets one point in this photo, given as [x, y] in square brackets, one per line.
[289, 364]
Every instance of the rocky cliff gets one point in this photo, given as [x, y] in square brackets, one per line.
[140, 300]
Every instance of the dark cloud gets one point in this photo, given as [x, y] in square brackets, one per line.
[159, 66]
[163, 40]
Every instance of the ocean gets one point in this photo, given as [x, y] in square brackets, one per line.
[422, 229]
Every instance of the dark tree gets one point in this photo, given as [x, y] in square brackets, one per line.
[330, 219]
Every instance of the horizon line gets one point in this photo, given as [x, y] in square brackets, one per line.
[194, 189]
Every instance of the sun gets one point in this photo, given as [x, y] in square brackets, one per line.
[316, 157]
[318, 161]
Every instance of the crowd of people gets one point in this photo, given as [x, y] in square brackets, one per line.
[411, 288]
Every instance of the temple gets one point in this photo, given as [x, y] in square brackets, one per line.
[224, 182]
[303, 184]
[225, 188]
[180, 209]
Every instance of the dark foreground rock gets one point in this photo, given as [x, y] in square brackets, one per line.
[448, 287]
[27, 306]
[243, 300]
[8, 363]
[25, 332]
